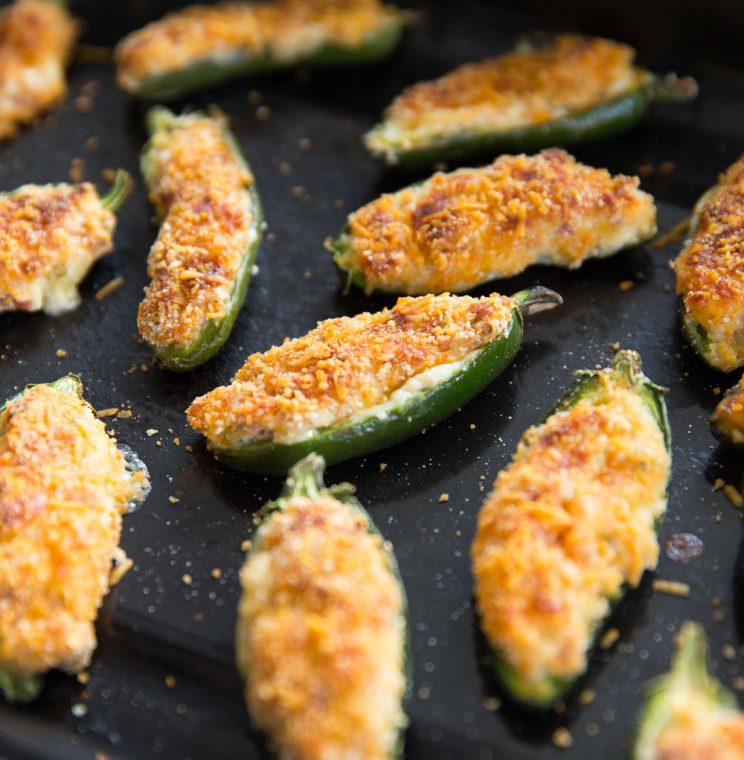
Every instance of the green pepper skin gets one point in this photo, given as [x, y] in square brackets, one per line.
[205, 73]
[427, 408]
[689, 673]
[214, 333]
[305, 481]
[627, 364]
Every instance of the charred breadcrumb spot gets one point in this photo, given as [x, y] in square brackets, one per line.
[36, 41]
[321, 634]
[64, 487]
[285, 30]
[709, 273]
[569, 523]
[50, 236]
[344, 366]
[198, 188]
[457, 230]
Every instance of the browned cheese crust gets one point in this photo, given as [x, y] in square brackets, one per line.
[63, 489]
[321, 635]
[50, 236]
[284, 30]
[461, 229]
[345, 366]
[568, 524]
[36, 41]
[710, 275]
[198, 187]
[728, 416]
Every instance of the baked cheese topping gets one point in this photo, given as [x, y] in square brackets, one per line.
[198, 186]
[344, 367]
[728, 416]
[321, 635]
[284, 31]
[50, 236]
[460, 229]
[697, 729]
[709, 273]
[36, 42]
[568, 524]
[64, 486]
[520, 89]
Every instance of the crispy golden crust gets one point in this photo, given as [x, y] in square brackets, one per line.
[284, 31]
[36, 41]
[515, 90]
[198, 185]
[344, 366]
[473, 225]
[321, 635]
[568, 523]
[50, 236]
[710, 278]
[728, 416]
[63, 489]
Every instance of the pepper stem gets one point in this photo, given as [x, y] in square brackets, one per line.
[305, 479]
[72, 385]
[673, 89]
[536, 299]
[119, 192]
[20, 689]
[628, 364]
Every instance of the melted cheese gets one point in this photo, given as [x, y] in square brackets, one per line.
[709, 273]
[460, 229]
[284, 32]
[569, 523]
[348, 368]
[321, 634]
[516, 90]
[50, 236]
[64, 486]
[36, 41]
[198, 185]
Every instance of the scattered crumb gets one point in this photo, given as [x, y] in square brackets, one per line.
[586, 697]
[491, 704]
[110, 412]
[77, 170]
[674, 235]
[559, 707]
[255, 97]
[263, 113]
[673, 588]
[424, 692]
[173, 499]
[610, 636]
[472, 426]
[150, 432]
[645, 170]
[285, 168]
[615, 346]
[110, 287]
[79, 710]
[592, 729]
[84, 103]
[718, 484]
[246, 545]
[728, 652]
[562, 738]
[338, 203]
[667, 167]
[92, 143]
[383, 466]
[124, 414]
[190, 449]
[716, 602]
[61, 353]
[626, 285]
[717, 391]
[170, 681]
[305, 144]
[737, 682]
[144, 367]
[83, 677]
[718, 616]
[176, 441]
[443, 497]
[298, 191]
[733, 495]
[199, 617]
[216, 573]
[187, 579]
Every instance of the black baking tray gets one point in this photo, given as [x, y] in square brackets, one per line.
[153, 625]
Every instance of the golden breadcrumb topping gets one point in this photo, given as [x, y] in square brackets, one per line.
[728, 416]
[710, 278]
[321, 635]
[460, 229]
[284, 31]
[50, 236]
[519, 89]
[64, 486]
[568, 524]
[198, 186]
[346, 366]
[696, 730]
[36, 42]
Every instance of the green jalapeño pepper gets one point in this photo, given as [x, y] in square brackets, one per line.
[688, 713]
[322, 595]
[574, 89]
[205, 45]
[357, 385]
[555, 547]
[202, 261]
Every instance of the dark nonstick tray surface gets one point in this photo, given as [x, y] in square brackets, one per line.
[153, 625]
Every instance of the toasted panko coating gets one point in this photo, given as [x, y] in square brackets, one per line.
[50, 236]
[284, 31]
[64, 486]
[345, 366]
[569, 523]
[321, 635]
[710, 277]
[198, 187]
[36, 41]
[728, 417]
[473, 225]
[519, 89]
